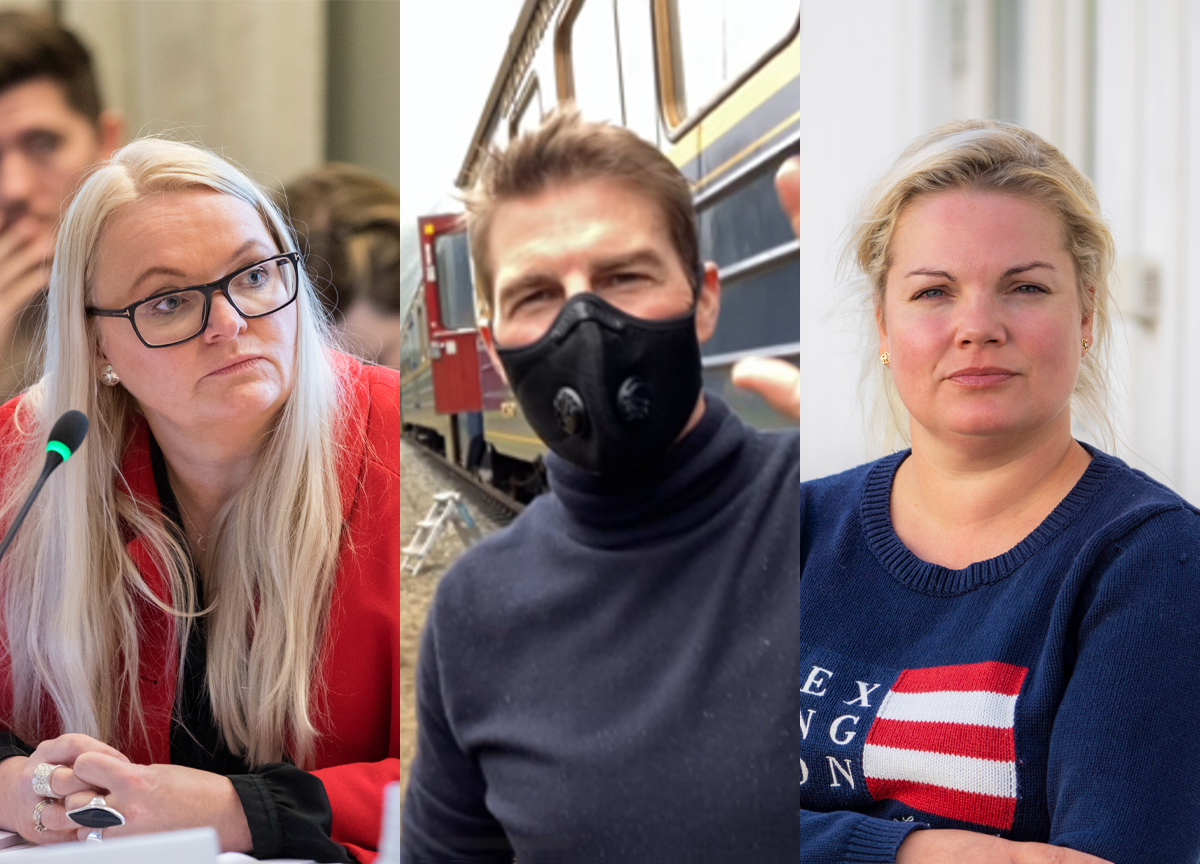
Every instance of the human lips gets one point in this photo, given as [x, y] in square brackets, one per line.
[238, 364]
[981, 376]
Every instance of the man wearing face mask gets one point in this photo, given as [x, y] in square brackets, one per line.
[611, 678]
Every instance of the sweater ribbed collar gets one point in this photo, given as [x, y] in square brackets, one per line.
[939, 581]
[694, 479]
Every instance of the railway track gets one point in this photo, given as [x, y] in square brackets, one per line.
[498, 507]
[423, 474]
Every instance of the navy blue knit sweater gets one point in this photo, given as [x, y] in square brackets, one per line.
[1051, 693]
[733, 666]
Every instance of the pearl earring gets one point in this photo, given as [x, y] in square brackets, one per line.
[109, 377]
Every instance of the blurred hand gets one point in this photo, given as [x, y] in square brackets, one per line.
[943, 846]
[17, 798]
[787, 185]
[26, 253]
[775, 381]
[163, 798]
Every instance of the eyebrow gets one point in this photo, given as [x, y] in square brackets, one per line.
[641, 257]
[1021, 268]
[528, 280]
[26, 135]
[171, 271]
[1011, 271]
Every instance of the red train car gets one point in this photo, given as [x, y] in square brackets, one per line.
[451, 390]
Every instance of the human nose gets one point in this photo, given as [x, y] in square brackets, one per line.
[577, 283]
[981, 320]
[16, 179]
[224, 321]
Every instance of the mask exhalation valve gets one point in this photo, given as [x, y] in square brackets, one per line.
[634, 400]
[570, 411]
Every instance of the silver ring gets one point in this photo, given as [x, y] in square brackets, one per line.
[37, 815]
[94, 836]
[41, 780]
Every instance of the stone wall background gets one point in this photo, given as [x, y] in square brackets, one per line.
[278, 87]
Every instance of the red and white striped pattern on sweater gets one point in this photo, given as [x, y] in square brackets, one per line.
[942, 742]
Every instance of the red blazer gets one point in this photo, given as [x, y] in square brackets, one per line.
[358, 750]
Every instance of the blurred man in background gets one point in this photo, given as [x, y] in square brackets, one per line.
[52, 130]
[348, 225]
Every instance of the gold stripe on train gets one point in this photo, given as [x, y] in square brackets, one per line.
[775, 74]
[520, 439]
[741, 154]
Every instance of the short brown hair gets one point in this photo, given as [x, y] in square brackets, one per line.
[348, 224]
[567, 149]
[34, 45]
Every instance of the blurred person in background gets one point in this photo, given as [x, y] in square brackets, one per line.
[52, 130]
[200, 614]
[349, 222]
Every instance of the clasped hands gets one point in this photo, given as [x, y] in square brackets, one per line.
[150, 797]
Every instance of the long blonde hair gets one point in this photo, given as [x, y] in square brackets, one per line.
[70, 589]
[993, 156]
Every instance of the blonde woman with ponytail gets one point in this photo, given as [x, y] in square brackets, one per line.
[992, 613]
[199, 615]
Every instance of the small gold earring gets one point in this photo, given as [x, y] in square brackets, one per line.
[885, 358]
[1085, 345]
[109, 377]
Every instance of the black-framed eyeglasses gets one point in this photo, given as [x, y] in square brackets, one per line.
[175, 316]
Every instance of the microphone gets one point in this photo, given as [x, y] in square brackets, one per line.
[65, 437]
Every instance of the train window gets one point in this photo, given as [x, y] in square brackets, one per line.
[746, 221]
[759, 311]
[528, 113]
[639, 97]
[498, 139]
[589, 68]
[704, 48]
[410, 347]
[456, 294]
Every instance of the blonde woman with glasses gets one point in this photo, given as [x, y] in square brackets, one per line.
[1000, 620]
[200, 615]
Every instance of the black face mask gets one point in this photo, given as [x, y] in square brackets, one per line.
[605, 390]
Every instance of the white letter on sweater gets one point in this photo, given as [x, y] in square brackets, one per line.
[863, 692]
[804, 723]
[835, 768]
[833, 729]
[815, 680]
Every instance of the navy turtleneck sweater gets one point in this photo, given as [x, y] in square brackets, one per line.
[612, 678]
[727, 665]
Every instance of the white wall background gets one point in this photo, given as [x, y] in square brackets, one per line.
[1114, 83]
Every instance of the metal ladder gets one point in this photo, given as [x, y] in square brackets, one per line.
[447, 507]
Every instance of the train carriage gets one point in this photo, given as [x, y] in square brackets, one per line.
[715, 84]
